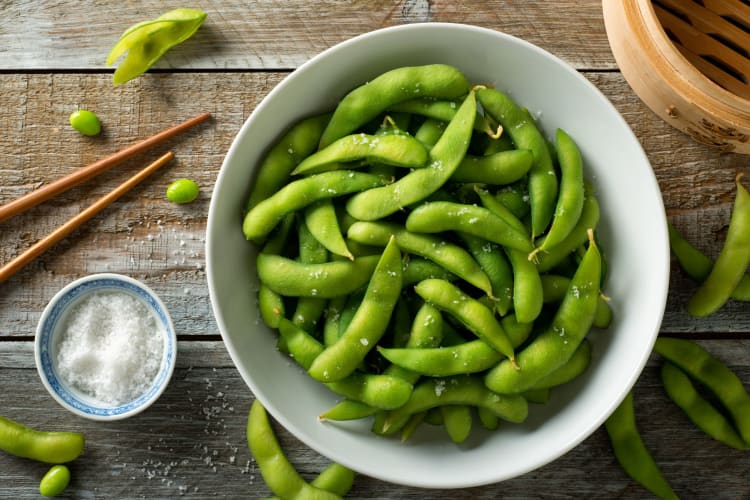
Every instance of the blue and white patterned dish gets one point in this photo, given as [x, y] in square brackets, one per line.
[51, 323]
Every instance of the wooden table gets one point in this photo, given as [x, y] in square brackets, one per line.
[191, 442]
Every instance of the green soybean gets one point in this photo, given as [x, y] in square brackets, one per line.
[575, 366]
[48, 447]
[85, 122]
[683, 393]
[183, 191]
[732, 262]
[526, 135]
[309, 310]
[444, 158]
[367, 101]
[438, 110]
[493, 262]
[394, 149]
[278, 473]
[294, 279]
[369, 323]
[528, 297]
[711, 373]
[264, 216]
[631, 451]
[557, 343]
[54, 481]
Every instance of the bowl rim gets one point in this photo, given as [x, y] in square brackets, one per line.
[60, 303]
[663, 256]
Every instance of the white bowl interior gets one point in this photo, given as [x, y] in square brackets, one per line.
[632, 233]
[50, 327]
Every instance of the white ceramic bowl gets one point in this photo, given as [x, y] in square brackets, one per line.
[632, 232]
[53, 323]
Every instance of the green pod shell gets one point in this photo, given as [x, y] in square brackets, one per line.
[47, 447]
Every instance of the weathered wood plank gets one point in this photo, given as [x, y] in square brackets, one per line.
[273, 35]
[191, 443]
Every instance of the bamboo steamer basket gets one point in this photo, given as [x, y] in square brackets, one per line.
[689, 62]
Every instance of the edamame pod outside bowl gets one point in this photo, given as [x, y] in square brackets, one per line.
[632, 232]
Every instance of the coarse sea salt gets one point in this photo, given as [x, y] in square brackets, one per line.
[111, 347]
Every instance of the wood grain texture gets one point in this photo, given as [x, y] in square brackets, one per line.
[190, 443]
[281, 34]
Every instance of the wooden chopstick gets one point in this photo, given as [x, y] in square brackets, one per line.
[61, 232]
[56, 187]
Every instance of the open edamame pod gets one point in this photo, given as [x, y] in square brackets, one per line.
[48, 447]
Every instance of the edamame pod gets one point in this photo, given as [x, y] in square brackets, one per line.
[264, 216]
[322, 221]
[369, 323]
[439, 216]
[732, 262]
[493, 262]
[576, 365]
[554, 347]
[48, 447]
[700, 365]
[417, 185]
[683, 393]
[294, 279]
[556, 254]
[364, 103]
[528, 297]
[467, 390]
[462, 359]
[478, 318]
[500, 168]
[570, 201]
[393, 149]
[296, 144]
[278, 473]
[631, 452]
[442, 110]
[698, 266]
[452, 257]
[526, 135]
[457, 421]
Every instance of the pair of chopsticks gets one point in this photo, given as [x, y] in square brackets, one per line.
[58, 186]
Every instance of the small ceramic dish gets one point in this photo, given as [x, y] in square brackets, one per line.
[105, 347]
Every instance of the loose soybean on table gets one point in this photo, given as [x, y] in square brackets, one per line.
[191, 443]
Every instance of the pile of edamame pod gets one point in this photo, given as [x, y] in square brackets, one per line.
[425, 252]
